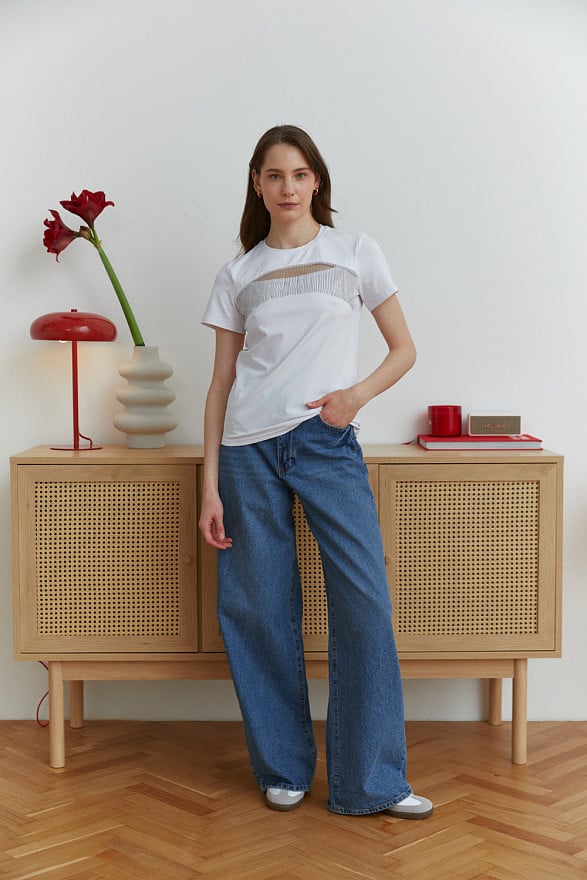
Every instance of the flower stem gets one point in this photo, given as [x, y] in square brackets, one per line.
[128, 313]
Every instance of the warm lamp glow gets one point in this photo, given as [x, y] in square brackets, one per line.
[74, 327]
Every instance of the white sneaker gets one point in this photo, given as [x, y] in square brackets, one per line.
[281, 799]
[412, 807]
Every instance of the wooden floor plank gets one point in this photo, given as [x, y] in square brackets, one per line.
[176, 801]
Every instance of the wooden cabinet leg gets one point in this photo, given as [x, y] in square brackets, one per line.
[56, 715]
[495, 692]
[520, 712]
[76, 704]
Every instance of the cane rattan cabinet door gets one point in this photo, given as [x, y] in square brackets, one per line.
[105, 559]
[473, 557]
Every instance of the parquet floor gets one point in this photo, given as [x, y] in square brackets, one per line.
[176, 801]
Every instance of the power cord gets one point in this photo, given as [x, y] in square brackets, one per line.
[41, 701]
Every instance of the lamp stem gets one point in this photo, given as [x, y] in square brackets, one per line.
[74, 386]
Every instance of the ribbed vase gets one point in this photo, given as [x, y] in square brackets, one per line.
[146, 418]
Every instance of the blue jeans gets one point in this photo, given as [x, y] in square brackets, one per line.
[260, 613]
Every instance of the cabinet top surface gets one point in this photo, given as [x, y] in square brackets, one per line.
[388, 453]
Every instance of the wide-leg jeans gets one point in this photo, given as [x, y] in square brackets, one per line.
[260, 614]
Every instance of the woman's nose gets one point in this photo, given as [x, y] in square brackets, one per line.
[287, 186]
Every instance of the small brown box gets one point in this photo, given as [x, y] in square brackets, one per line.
[495, 425]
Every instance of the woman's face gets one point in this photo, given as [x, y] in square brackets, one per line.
[287, 183]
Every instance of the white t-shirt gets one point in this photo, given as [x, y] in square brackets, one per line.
[300, 310]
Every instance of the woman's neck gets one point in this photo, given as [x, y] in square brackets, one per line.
[285, 237]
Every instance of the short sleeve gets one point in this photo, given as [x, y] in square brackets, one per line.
[375, 281]
[221, 310]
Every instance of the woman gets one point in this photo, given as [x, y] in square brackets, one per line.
[281, 419]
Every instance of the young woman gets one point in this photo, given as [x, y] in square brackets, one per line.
[281, 419]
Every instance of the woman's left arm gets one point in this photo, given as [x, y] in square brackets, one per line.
[340, 407]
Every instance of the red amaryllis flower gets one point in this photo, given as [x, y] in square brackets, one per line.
[57, 235]
[88, 205]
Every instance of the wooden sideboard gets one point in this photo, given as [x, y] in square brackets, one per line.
[111, 580]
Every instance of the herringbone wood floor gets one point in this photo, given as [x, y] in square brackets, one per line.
[176, 801]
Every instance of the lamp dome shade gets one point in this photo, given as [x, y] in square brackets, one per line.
[73, 326]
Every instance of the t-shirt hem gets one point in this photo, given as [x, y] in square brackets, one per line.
[266, 433]
[383, 298]
[222, 325]
[274, 431]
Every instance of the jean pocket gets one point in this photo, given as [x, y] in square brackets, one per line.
[334, 428]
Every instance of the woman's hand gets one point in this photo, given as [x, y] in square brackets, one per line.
[211, 523]
[338, 408]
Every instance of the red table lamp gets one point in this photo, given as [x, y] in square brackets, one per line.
[74, 327]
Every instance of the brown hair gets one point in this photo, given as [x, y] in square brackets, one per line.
[255, 220]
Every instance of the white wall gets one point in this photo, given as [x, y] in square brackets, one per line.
[455, 131]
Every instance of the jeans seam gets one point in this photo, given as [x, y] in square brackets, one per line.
[335, 782]
[295, 624]
[301, 670]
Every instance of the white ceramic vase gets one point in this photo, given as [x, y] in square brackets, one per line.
[146, 418]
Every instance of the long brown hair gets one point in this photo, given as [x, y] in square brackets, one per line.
[256, 220]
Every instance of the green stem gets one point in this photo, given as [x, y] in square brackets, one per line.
[128, 313]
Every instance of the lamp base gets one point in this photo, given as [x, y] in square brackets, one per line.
[75, 448]
[77, 436]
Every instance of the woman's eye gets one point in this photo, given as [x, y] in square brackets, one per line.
[274, 176]
[300, 175]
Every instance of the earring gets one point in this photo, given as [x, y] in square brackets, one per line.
[315, 193]
[259, 193]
